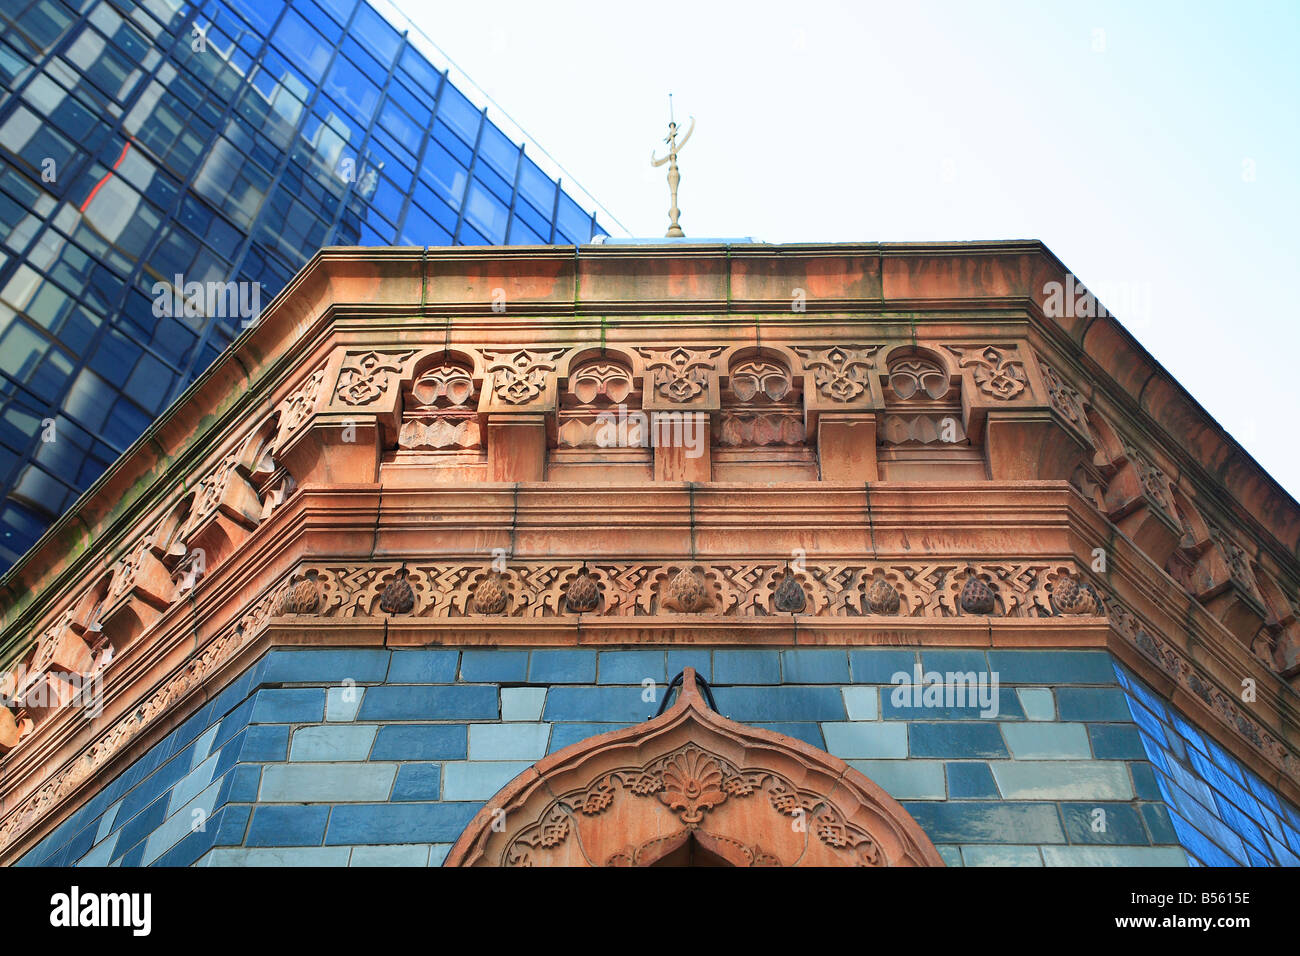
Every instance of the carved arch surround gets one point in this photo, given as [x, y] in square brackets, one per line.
[692, 778]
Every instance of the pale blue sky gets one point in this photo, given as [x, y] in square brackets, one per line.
[1155, 147]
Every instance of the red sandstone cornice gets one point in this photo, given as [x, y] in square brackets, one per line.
[444, 285]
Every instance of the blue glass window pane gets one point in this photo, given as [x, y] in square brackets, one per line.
[459, 114]
[260, 14]
[537, 187]
[375, 33]
[423, 75]
[298, 42]
[420, 230]
[501, 154]
[350, 87]
[444, 175]
[573, 220]
[487, 214]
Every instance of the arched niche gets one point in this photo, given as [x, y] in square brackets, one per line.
[692, 786]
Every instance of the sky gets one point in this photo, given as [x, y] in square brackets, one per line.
[1154, 147]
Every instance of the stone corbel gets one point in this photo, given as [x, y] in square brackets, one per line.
[140, 590]
[1139, 500]
[843, 400]
[336, 448]
[682, 391]
[518, 402]
[1222, 582]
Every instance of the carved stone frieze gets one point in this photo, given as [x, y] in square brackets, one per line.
[735, 589]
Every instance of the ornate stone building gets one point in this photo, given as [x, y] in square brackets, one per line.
[952, 572]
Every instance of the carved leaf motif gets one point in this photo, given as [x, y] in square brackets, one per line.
[840, 371]
[995, 372]
[521, 375]
[692, 785]
[366, 376]
[680, 374]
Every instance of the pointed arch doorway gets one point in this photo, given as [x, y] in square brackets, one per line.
[692, 788]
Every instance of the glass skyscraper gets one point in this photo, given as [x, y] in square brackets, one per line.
[214, 142]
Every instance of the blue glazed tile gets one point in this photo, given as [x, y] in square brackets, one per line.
[389, 823]
[1148, 699]
[815, 666]
[1225, 762]
[1188, 733]
[1208, 823]
[562, 667]
[417, 782]
[954, 662]
[287, 826]
[879, 665]
[1226, 785]
[325, 666]
[786, 703]
[1052, 667]
[423, 667]
[1144, 781]
[1148, 722]
[1280, 851]
[1262, 790]
[808, 732]
[966, 739]
[1047, 741]
[133, 856]
[143, 823]
[494, 666]
[901, 703]
[631, 667]
[232, 826]
[288, 705]
[156, 785]
[437, 702]
[240, 785]
[597, 704]
[228, 755]
[1257, 858]
[865, 740]
[970, 780]
[193, 726]
[1240, 824]
[192, 846]
[1159, 826]
[1092, 703]
[265, 743]
[234, 722]
[235, 693]
[680, 659]
[970, 821]
[1120, 825]
[421, 742]
[562, 735]
[1197, 844]
[747, 667]
[1116, 742]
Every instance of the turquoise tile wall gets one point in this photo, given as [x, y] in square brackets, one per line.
[365, 757]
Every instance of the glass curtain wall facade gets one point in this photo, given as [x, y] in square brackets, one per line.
[142, 143]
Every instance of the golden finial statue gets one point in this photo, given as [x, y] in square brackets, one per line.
[674, 177]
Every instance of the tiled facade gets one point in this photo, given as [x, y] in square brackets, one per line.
[377, 757]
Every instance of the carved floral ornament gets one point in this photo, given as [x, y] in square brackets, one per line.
[691, 783]
[521, 374]
[840, 371]
[748, 589]
[682, 373]
[366, 376]
[997, 372]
